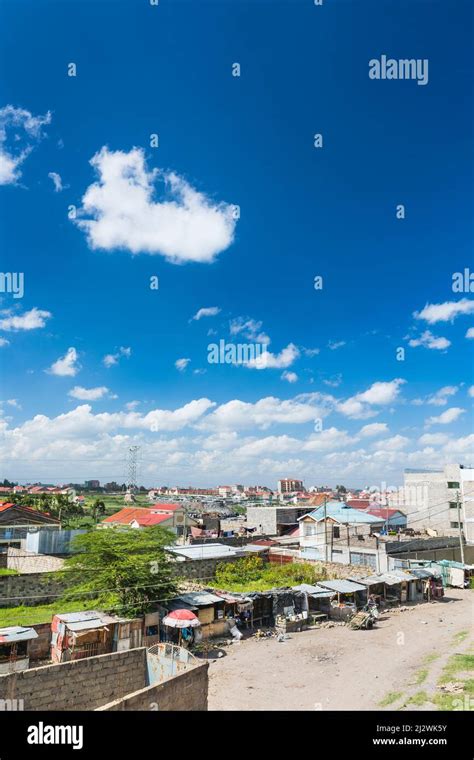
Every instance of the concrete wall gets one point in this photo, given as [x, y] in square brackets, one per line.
[185, 691]
[79, 685]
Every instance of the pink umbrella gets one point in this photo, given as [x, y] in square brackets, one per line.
[181, 619]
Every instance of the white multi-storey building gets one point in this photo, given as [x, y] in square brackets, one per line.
[429, 498]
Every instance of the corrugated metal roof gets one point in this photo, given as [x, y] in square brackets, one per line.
[316, 591]
[200, 598]
[203, 551]
[343, 586]
[77, 621]
[341, 513]
[16, 633]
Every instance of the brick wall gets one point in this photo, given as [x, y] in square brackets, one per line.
[185, 691]
[39, 649]
[79, 685]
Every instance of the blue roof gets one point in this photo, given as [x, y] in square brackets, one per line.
[339, 511]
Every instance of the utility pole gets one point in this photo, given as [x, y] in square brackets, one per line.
[325, 531]
[461, 544]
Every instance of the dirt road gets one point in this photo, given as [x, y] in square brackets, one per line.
[340, 669]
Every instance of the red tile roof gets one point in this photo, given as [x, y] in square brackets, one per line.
[167, 507]
[127, 514]
[382, 512]
[358, 503]
[21, 508]
[148, 520]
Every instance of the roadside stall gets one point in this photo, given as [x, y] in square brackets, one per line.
[429, 582]
[350, 596]
[317, 601]
[14, 648]
[182, 628]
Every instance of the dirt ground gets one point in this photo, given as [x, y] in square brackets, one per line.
[340, 669]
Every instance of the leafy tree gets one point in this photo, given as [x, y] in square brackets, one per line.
[98, 509]
[253, 574]
[128, 565]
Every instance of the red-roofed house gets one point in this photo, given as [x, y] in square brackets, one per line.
[393, 517]
[14, 514]
[170, 516]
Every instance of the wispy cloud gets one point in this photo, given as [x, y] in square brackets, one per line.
[88, 394]
[26, 131]
[110, 360]
[206, 311]
[428, 340]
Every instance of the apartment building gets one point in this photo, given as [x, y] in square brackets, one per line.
[429, 499]
[290, 485]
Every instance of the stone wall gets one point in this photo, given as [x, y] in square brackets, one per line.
[185, 691]
[29, 590]
[199, 569]
[79, 685]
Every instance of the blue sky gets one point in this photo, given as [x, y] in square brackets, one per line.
[168, 211]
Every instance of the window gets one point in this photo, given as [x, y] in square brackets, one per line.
[453, 484]
[336, 532]
[310, 530]
[456, 525]
[453, 505]
[368, 560]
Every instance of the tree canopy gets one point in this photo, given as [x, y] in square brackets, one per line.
[121, 567]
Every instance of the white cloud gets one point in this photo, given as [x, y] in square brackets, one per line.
[184, 225]
[379, 394]
[471, 390]
[395, 443]
[267, 360]
[110, 360]
[375, 428]
[4, 342]
[333, 382]
[440, 398]
[310, 352]
[249, 328]
[470, 332]
[235, 414]
[450, 415]
[444, 312]
[25, 131]
[57, 181]
[88, 394]
[206, 311]
[328, 439]
[29, 320]
[66, 366]
[132, 405]
[290, 377]
[335, 344]
[433, 439]
[428, 340]
[181, 364]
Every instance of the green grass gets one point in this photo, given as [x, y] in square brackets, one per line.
[458, 663]
[390, 698]
[7, 571]
[460, 636]
[430, 658]
[42, 613]
[418, 699]
[421, 676]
